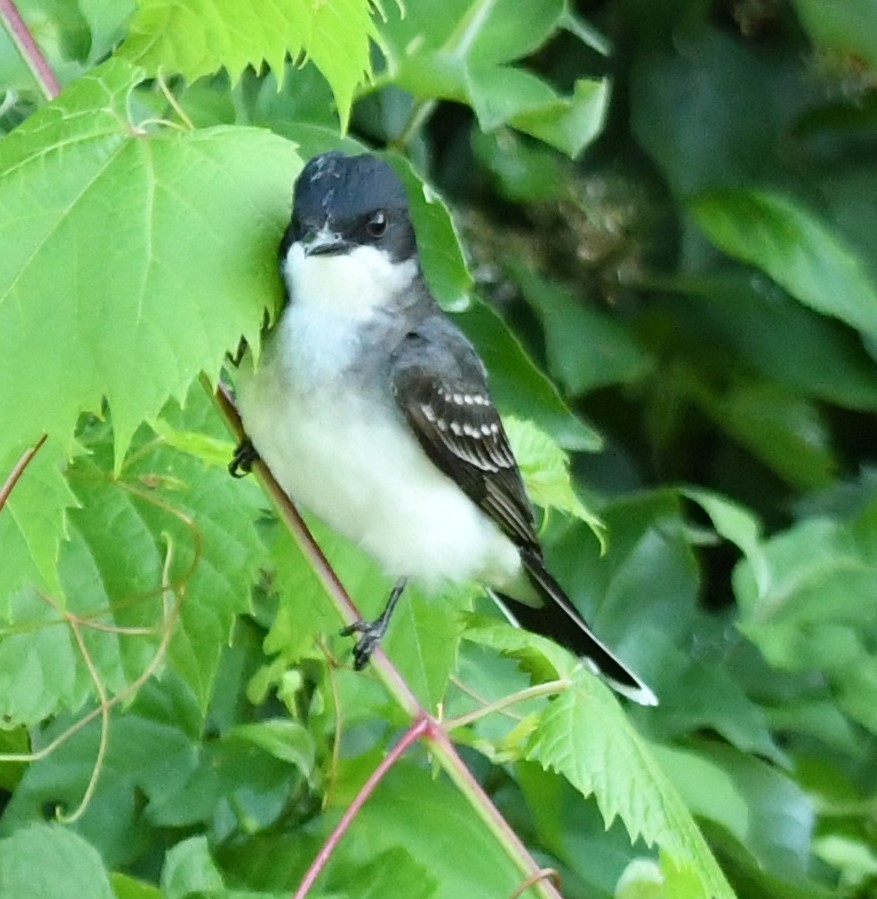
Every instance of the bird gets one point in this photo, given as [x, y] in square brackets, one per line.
[372, 409]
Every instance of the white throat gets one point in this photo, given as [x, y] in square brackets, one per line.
[353, 284]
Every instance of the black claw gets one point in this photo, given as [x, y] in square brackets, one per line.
[371, 634]
[242, 461]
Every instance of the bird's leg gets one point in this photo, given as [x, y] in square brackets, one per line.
[242, 461]
[372, 632]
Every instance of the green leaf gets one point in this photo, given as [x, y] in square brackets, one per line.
[198, 37]
[545, 469]
[304, 610]
[517, 384]
[41, 668]
[586, 348]
[168, 529]
[699, 696]
[489, 31]
[746, 315]
[125, 887]
[499, 93]
[106, 20]
[847, 30]
[568, 123]
[649, 555]
[765, 810]
[285, 740]
[543, 659]
[800, 252]
[438, 243]
[85, 190]
[786, 431]
[45, 861]
[391, 873]
[424, 639]
[735, 523]
[420, 813]
[642, 879]
[188, 869]
[462, 51]
[151, 755]
[585, 736]
[525, 172]
[855, 859]
[33, 522]
[806, 603]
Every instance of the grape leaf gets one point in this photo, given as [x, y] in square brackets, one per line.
[45, 861]
[167, 529]
[166, 241]
[33, 522]
[198, 37]
[585, 736]
[545, 469]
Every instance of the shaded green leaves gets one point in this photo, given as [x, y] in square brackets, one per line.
[795, 248]
[807, 601]
[32, 521]
[587, 348]
[465, 50]
[169, 544]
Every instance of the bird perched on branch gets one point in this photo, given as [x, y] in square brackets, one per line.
[372, 409]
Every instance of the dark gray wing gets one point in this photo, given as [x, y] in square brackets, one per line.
[440, 385]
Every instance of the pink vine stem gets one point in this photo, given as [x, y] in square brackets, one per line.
[29, 49]
[409, 738]
[18, 470]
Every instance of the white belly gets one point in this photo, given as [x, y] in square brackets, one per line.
[348, 460]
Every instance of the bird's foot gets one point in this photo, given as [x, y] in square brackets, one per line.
[370, 635]
[372, 632]
[242, 461]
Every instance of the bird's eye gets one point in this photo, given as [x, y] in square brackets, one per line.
[377, 224]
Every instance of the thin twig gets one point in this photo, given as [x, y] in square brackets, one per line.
[29, 49]
[409, 738]
[20, 465]
[544, 874]
[103, 741]
[174, 103]
[120, 697]
[442, 747]
[394, 681]
[546, 689]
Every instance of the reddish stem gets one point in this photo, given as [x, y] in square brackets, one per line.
[20, 465]
[29, 49]
[411, 736]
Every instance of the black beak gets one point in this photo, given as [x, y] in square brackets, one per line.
[324, 243]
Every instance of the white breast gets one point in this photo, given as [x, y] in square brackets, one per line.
[347, 455]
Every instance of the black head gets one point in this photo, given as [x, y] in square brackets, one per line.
[341, 202]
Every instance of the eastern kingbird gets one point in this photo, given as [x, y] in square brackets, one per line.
[372, 409]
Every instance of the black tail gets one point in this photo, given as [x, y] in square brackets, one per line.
[559, 620]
